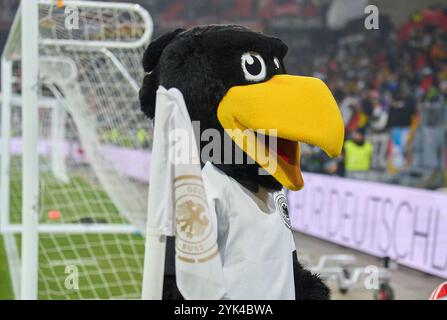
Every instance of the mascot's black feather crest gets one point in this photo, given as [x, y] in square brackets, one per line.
[151, 81]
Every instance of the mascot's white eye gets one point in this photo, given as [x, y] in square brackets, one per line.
[276, 62]
[253, 66]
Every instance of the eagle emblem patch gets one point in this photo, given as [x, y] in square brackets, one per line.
[194, 240]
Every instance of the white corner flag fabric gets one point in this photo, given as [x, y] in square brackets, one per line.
[177, 200]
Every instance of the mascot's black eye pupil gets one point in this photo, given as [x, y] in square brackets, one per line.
[254, 66]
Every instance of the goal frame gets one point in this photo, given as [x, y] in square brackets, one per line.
[25, 29]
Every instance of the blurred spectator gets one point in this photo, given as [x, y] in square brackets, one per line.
[142, 138]
[400, 116]
[432, 122]
[358, 154]
[379, 134]
[313, 159]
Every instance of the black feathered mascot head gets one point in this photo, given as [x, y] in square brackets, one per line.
[234, 78]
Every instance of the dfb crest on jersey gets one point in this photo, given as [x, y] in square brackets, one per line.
[283, 208]
[194, 240]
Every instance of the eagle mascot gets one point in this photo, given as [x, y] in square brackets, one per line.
[232, 79]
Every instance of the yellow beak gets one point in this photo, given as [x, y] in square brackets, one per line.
[291, 108]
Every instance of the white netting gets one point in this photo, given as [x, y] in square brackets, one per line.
[93, 147]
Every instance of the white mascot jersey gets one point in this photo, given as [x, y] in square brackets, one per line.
[255, 246]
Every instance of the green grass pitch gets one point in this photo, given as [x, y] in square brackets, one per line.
[106, 265]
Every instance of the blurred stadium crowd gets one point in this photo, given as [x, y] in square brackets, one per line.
[392, 90]
[390, 83]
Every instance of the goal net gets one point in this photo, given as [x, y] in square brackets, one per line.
[93, 149]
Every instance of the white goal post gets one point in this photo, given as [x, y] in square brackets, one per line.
[71, 130]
